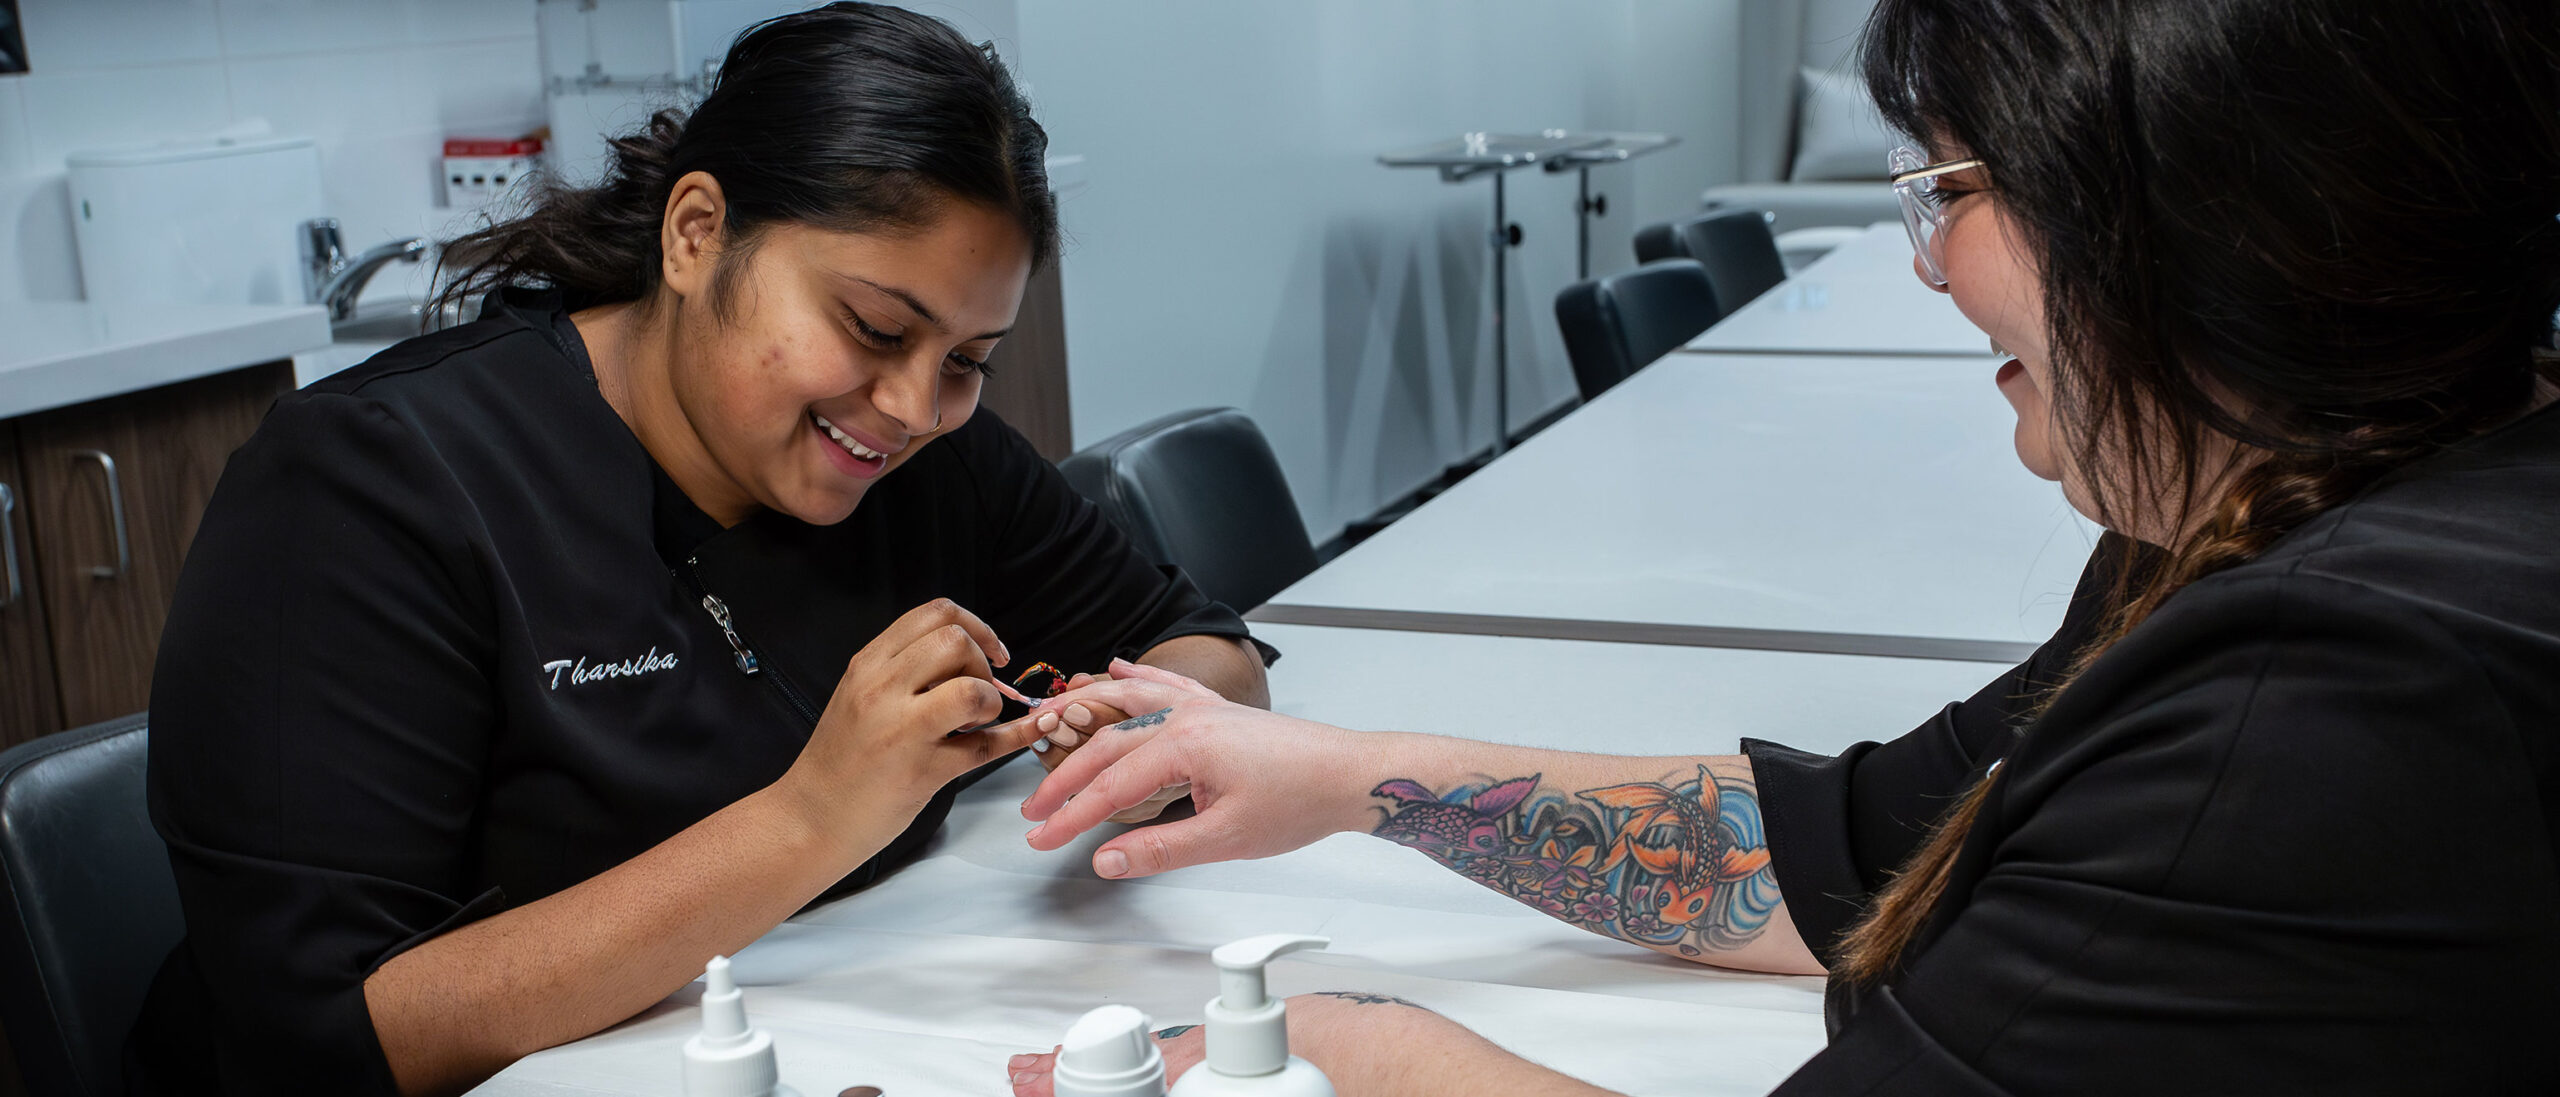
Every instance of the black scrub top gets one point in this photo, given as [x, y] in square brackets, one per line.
[2295, 833]
[441, 648]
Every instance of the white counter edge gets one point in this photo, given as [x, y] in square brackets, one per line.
[94, 373]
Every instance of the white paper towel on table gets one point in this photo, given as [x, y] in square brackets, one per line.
[926, 983]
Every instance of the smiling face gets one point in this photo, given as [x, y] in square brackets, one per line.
[1992, 277]
[834, 358]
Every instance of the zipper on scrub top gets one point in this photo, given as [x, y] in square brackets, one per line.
[749, 663]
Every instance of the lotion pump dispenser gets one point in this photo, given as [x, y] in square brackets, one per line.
[728, 1058]
[1248, 1029]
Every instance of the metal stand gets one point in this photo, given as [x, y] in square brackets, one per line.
[1612, 148]
[1504, 237]
[1493, 154]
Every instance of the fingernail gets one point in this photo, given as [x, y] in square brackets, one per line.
[1048, 722]
[1039, 746]
[1066, 738]
[1020, 1061]
[1024, 1078]
[1004, 655]
[1079, 715]
[1111, 863]
[1033, 834]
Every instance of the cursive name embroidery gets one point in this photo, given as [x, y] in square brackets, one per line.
[579, 673]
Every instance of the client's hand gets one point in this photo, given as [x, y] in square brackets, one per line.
[1070, 725]
[1263, 784]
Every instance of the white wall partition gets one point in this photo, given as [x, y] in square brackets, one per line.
[1238, 244]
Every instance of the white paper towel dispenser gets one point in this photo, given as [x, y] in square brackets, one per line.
[202, 222]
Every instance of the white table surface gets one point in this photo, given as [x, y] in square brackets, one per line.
[55, 354]
[1788, 501]
[1606, 697]
[1861, 298]
[926, 983]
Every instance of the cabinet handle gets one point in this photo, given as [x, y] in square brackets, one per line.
[9, 542]
[115, 509]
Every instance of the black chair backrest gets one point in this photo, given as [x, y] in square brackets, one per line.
[1201, 490]
[1659, 241]
[1740, 253]
[1614, 326]
[91, 906]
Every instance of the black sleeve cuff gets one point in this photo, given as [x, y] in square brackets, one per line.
[1804, 801]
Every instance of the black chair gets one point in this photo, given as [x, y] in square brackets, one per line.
[92, 908]
[1201, 490]
[1613, 326]
[1657, 242]
[1740, 254]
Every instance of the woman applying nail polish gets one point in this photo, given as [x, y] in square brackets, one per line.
[519, 671]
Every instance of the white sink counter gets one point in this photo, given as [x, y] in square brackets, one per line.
[54, 354]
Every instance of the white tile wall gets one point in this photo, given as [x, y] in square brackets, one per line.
[63, 35]
[16, 156]
[266, 28]
[67, 112]
[379, 83]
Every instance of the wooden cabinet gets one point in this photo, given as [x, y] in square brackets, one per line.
[27, 704]
[1029, 385]
[108, 494]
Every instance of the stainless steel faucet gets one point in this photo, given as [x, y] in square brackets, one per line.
[330, 278]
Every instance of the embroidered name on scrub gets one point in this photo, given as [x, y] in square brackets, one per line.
[579, 673]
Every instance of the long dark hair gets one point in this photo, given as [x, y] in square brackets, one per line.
[2323, 229]
[854, 117]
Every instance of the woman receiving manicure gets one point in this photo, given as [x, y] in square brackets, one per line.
[2278, 811]
[519, 671]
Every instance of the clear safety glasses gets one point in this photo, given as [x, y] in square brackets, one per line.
[1923, 208]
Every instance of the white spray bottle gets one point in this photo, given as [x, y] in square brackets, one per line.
[727, 1058]
[1249, 1029]
[1107, 1054]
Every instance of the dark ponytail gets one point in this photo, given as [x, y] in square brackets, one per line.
[2323, 229]
[853, 117]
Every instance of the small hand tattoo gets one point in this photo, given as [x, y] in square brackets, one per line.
[1174, 1032]
[1147, 721]
[1366, 999]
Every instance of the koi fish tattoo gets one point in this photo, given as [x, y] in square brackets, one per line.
[1682, 866]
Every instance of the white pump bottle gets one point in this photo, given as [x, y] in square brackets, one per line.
[727, 1058]
[1248, 1029]
[1107, 1054]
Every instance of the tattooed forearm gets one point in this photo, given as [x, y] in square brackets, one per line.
[1364, 998]
[1677, 866]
